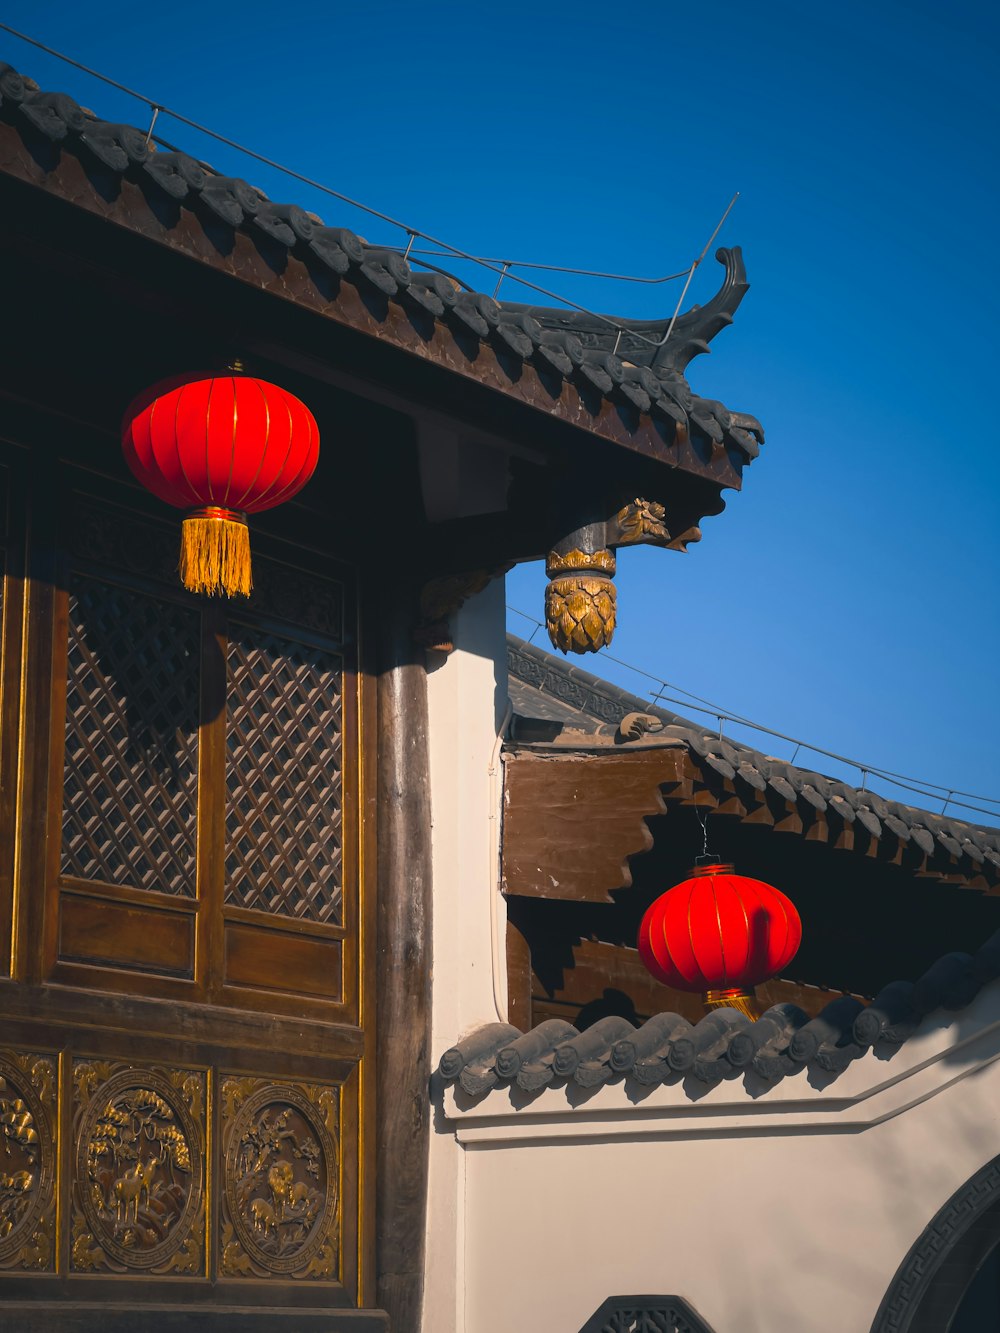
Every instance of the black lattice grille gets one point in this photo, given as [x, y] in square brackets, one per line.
[283, 780]
[645, 1314]
[131, 775]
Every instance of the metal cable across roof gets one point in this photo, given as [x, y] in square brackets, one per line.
[930, 790]
[500, 267]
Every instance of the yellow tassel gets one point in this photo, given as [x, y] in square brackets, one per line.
[215, 553]
[745, 1002]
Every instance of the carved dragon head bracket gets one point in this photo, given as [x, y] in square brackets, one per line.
[580, 599]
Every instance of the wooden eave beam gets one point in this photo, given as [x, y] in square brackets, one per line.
[382, 327]
[573, 819]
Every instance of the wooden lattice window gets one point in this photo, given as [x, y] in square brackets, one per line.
[283, 753]
[130, 785]
[199, 785]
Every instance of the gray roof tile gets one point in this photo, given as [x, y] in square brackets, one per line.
[546, 688]
[647, 375]
[724, 1044]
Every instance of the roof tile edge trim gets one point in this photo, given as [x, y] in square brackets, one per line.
[578, 348]
[608, 704]
[723, 1045]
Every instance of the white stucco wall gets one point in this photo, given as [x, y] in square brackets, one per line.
[789, 1212]
[784, 1212]
[467, 698]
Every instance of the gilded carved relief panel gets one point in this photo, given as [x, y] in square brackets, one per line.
[28, 1097]
[280, 1200]
[139, 1169]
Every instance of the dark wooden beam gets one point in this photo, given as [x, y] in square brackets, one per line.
[519, 978]
[97, 1317]
[403, 968]
[573, 818]
[411, 354]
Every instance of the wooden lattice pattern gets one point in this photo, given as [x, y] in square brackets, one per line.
[283, 852]
[131, 772]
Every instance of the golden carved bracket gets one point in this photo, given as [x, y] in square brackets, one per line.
[580, 613]
[580, 599]
[28, 1121]
[580, 562]
[640, 522]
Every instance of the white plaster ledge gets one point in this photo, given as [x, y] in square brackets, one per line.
[949, 1047]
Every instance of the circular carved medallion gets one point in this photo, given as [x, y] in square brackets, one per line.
[26, 1158]
[139, 1168]
[281, 1178]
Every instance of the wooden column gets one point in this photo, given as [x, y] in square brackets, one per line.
[403, 970]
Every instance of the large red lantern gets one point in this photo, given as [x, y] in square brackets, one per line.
[720, 934]
[220, 447]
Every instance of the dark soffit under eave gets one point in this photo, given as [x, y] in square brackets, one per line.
[549, 359]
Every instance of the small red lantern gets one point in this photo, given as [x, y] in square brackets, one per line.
[220, 447]
[720, 934]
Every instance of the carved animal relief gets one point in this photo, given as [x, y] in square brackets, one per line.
[637, 522]
[27, 1161]
[280, 1208]
[139, 1163]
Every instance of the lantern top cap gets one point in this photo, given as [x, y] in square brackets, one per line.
[711, 865]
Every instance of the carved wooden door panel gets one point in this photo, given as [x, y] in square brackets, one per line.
[183, 1084]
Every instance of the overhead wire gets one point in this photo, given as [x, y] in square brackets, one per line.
[558, 268]
[930, 790]
[500, 268]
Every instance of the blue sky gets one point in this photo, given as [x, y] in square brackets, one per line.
[848, 594]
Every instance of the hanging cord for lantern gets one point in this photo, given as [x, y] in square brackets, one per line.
[706, 858]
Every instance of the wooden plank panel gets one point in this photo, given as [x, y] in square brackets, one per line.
[519, 978]
[137, 1027]
[270, 959]
[572, 821]
[98, 931]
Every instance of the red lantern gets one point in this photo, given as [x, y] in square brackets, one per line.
[220, 447]
[721, 934]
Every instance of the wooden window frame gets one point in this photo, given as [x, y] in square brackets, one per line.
[218, 931]
[12, 578]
